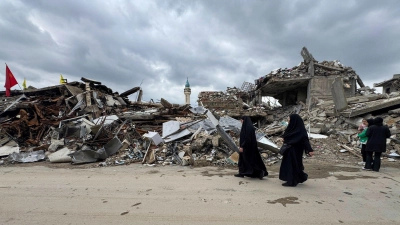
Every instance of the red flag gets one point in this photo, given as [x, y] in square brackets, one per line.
[10, 81]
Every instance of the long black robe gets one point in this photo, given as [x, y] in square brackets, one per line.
[377, 135]
[376, 144]
[292, 167]
[250, 161]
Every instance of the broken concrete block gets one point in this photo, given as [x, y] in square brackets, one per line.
[320, 119]
[394, 111]
[315, 130]
[186, 160]
[55, 144]
[9, 148]
[60, 156]
[338, 122]
[216, 140]
[371, 106]
[322, 126]
[199, 143]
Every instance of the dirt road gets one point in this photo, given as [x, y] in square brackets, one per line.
[137, 194]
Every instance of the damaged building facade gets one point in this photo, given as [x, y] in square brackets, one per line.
[389, 86]
[307, 80]
[232, 98]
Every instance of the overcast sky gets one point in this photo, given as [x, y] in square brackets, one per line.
[216, 44]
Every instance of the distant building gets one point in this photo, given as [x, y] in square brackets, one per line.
[187, 92]
[388, 86]
[233, 98]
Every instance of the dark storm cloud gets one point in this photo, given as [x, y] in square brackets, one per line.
[215, 44]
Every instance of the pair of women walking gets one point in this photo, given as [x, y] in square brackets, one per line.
[292, 168]
[373, 139]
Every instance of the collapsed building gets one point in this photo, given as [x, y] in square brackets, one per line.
[232, 98]
[86, 122]
[324, 93]
[234, 102]
[390, 86]
[307, 80]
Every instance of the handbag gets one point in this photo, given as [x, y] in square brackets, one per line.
[284, 148]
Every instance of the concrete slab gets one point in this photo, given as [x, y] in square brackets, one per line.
[372, 106]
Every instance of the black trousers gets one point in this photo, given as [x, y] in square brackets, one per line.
[375, 163]
[363, 152]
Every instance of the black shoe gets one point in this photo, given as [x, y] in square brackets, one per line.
[238, 175]
[288, 185]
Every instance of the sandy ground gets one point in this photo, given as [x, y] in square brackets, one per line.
[139, 194]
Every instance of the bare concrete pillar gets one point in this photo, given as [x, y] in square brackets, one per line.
[88, 98]
[139, 99]
[338, 95]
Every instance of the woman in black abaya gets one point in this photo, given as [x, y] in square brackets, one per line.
[376, 144]
[292, 166]
[250, 162]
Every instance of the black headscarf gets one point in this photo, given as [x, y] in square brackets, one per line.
[247, 133]
[370, 122]
[295, 131]
[378, 121]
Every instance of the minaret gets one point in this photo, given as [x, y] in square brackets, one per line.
[187, 92]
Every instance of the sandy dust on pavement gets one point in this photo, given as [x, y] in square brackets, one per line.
[139, 194]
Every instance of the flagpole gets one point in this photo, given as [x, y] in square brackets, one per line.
[23, 92]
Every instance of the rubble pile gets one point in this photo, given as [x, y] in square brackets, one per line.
[233, 98]
[41, 126]
[325, 68]
[331, 133]
[89, 123]
[78, 122]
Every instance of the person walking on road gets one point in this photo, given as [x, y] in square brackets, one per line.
[250, 161]
[292, 168]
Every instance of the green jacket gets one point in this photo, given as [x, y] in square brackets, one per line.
[363, 136]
